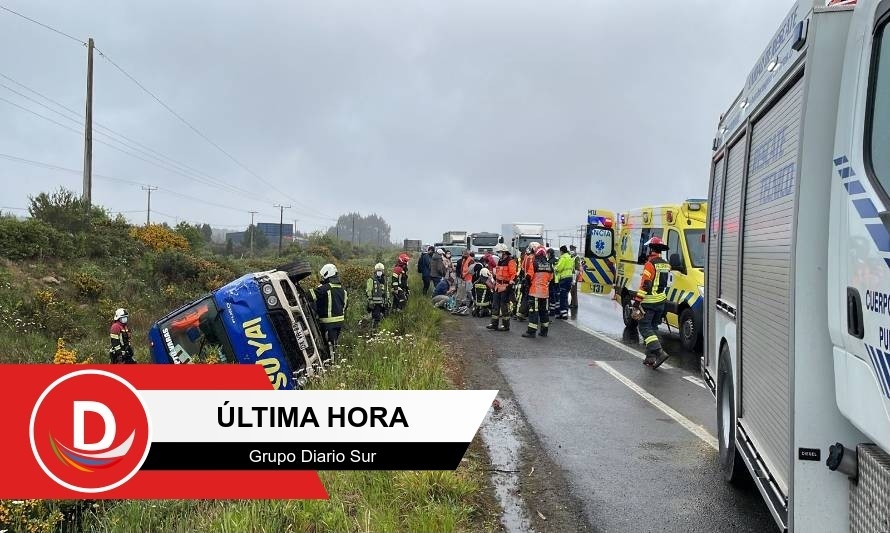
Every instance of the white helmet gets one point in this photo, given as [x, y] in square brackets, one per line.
[485, 273]
[121, 314]
[501, 247]
[379, 267]
[440, 251]
[535, 245]
[327, 271]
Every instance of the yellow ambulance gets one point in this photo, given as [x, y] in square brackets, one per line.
[682, 228]
[597, 274]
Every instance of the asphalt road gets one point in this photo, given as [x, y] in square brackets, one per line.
[637, 446]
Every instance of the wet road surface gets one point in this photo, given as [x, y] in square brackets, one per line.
[636, 445]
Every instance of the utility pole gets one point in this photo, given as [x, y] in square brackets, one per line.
[88, 131]
[148, 215]
[252, 231]
[281, 226]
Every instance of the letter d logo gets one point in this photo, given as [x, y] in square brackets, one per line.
[90, 431]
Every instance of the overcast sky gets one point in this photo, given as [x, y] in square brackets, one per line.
[457, 114]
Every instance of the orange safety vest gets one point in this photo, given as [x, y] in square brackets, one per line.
[504, 274]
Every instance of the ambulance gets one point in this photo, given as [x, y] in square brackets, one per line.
[598, 266]
[682, 227]
[797, 350]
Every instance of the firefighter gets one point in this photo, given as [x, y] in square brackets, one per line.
[482, 293]
[504, 275]
[121, 351]
[539, 292]
[377, 292]
[331, 300]
[526, 272]
[553, 288]
[650, 300]
[399, 282]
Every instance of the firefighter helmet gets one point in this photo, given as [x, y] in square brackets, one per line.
[501, 247]
[403, 258]
[328, 271]
[534, 246]
[485, 273]
[379, 267]
[656, 244]
[120, 313]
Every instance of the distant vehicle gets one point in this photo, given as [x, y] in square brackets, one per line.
[412, 245]
[598, 264]
[454, 237]
[797, 350]
[682, 227]
[482, 242]
[519, 235]
[263, 318]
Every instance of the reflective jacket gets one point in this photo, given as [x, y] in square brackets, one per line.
[564, 267]
[543, 275]
[377, 290]
[466, 268]
[331, 301]
[654, 280]
[504, 273]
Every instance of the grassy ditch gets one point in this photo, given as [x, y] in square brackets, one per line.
[404, 354]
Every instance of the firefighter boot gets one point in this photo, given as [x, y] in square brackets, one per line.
[494, 325]
[650, 359]
[662, 357]
[530, 333]
[505, 324]
[544, 331]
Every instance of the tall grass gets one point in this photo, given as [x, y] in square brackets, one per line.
[403, 354]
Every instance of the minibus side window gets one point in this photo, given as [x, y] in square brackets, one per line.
[879, 134]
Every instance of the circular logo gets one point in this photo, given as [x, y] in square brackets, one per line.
[90, 431]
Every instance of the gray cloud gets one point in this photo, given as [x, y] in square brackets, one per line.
[436, 116]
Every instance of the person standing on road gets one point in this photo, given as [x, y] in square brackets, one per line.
[121, 351]
[538, 293]
[504, 275]
[423, 268]
[377, 292]
[331, 301]
[649, 302]
[563, 275]
[465, 276]
[526, 272]
[576, 273]
[437, 266]
[553, 289]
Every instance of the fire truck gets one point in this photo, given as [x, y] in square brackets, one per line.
[797, 299]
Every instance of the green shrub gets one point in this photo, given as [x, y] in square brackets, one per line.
[24, 239]
[88, 283]
[173, 266]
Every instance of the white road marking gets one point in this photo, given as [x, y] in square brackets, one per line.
[615, 343]
[697, 381]
[693, 428]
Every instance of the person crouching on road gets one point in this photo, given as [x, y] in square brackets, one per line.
[650, 300]
[563, 274]
[121, 351]
[331, 301]
[377, 291]
[538, 293]
[482, 293]
[504, 274]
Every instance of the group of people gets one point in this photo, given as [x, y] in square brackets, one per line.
[536, 286]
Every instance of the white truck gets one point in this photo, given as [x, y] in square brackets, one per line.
[481, 242]
[454, 237]
[519, 235]
[797, 297]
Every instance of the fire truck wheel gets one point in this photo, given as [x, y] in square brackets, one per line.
[626, 300]
[731, 465]
[690, 336]
[297, 270]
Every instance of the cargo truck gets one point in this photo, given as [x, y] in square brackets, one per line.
[797, 344]
[479, 243]
[454, 238]
[518, 235]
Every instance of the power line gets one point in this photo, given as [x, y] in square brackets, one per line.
[60, 32]
[201, 134]
[319, 214]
